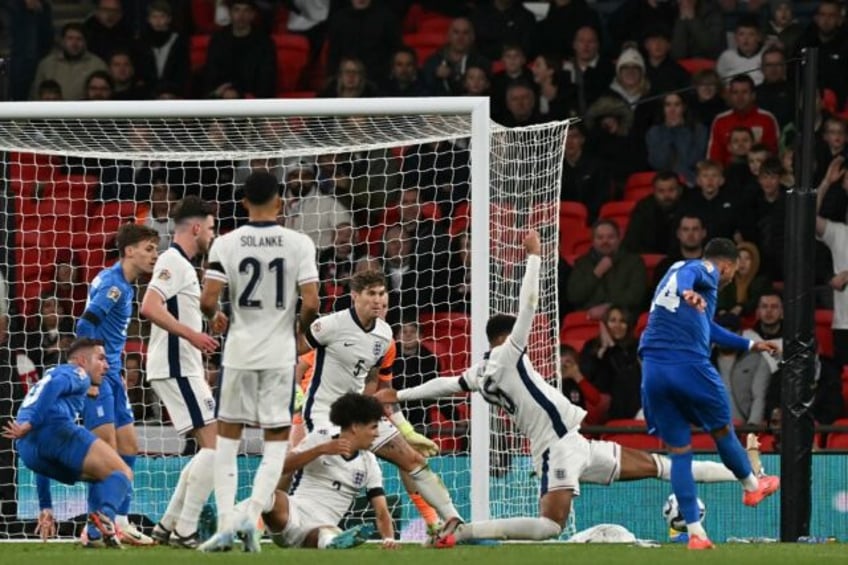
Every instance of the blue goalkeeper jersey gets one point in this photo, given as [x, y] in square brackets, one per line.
[677, 332]
[107, 315]
[57, 398]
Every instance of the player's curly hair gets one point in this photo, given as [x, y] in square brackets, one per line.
[260, 187]
[353, 408]
[363, 279]
[133, 234]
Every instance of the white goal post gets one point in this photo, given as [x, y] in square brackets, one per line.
[70, 170]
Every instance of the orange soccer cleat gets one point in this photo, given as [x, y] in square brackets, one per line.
[698, 543]
[768, 486]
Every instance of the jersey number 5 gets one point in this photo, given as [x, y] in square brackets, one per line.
[252, 266]
[667, 297]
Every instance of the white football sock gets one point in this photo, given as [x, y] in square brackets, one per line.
[175, 505]
[703, 471]
[750, 483]
[326, 535]
[430, 487]
[266, 478]
[226, 480]
[696, 529]
[510, 529]
[200, 484]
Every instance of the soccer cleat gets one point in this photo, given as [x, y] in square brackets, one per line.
[161, 534]
[184, 542]
[131, 535]
[221, 541]
[250, 535]
[445, 542]
[697, 543]
[447, 537]
[90, 543]
[768, 486]
[106, 528]
[352, 537]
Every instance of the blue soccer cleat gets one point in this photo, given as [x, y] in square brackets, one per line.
[352, 537]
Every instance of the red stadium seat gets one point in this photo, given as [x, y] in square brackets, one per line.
[651, 260]
[460, 219]
[424, 44]
[641, 324]
[432, 22]
[292, 58]
[637, 193]
[838, 440]
[451, 332]
[635, 440]
[27, 168]
[37, 264]
[91, 262]
[824, 333]
[300, 94]
[203, 16]
[619, 212]
[696, 64]
[575, 343]
[198, 49]
[540, 345]
[766, 443]
[574, 239]
[578, 327]
[703, 441]
[572, 214]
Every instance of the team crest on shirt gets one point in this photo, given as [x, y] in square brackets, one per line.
[114, 294]
[358, 478]
[210, 404]
[164, 274]
[708, 266]
[378, 349]
[81, 372]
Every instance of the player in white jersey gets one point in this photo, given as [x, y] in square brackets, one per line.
[330, 471]
[175, 363]
[348, 346]
[265, 266]
[562, 457]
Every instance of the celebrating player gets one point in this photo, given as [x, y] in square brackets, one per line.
[264, 265]
[51, 443]
[175, 364]
[350, 344]
[106, 317]
[680, 387]
[330, 471]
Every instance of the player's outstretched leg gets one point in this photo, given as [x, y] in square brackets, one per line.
[683, 486]
[103, 466]
[428, 513]
[734, 456]
[702, 471]
[163, 528]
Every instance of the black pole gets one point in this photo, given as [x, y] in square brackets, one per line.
[799, 347]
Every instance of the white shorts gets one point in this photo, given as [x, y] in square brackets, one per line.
[299, 524]
[604, 463]
[386, 433]
[256, 398]
[561, 466]
[189, 401]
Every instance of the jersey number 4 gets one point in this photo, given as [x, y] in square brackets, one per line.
[252, 266]
[667, 297]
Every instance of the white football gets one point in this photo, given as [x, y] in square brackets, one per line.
[673, 516]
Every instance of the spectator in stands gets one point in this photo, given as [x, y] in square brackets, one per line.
[580, 390]
[70, 294]
[336, 265]
[607, 274]
[162, 198]
[781, 28]
[502, 22]
[742, 295]
[309, 18]
[106, 31]
[49, 90]
[367, 30]
[127, 85]
[403, 78]
[556, 31]
[765, 218]
[309, 211]
[718, 207]
[584, 177]
[444, 70]
[30, 40]
[746, 55]
[70, 66]
[350, 81]
[590, 72]
[707, 100]
[827, 32]
[663, 73]
[161, 53]
[99, 86]
[520, 106]
[740, 176]
[698, 31]
[476, 82]
[654, 218]
[144, 402]
[557, 99]
[690, 236]
[609, 123]
[414, 365]
[398, 264]
[775, 94]
[48, 334]
[677, 142]
[835, 137]
[612, 365]
[242, 56]
[632, 17]
[460, 273]
[743, 112]
[514, 60]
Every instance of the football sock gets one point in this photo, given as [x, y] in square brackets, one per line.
[735, 458]
[113, 491]
[427, 512]
[326, 535]
[175, 505]
[94, 490]
[683, 486]
[430, 487]
[703, 471]
[197, 491]
[226, 480]
[509, 528]
[266, 478]
[696, 529]
[124, 508]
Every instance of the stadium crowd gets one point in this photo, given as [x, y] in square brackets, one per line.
[688, 132]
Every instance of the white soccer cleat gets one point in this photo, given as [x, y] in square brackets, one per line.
[221, 541]
[131, 535]
[250, 535]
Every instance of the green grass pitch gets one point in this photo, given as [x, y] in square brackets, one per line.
[512, 554]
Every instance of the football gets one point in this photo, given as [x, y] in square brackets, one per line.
[673, 516]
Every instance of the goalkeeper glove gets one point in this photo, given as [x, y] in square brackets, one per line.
[299, 397]
[419, 442]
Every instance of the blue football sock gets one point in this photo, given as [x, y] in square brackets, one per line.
[94, 497]
[733, 455]
[113, 491]
[683, 486]
[124, 507]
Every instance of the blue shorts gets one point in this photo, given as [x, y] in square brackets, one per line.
[110, 406]
[57, 451]
[676, 396]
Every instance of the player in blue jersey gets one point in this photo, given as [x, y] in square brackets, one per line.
[106, 317]
[681, 388]
[50, 442]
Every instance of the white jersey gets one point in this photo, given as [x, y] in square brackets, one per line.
[263, 265]
[345, 352]
[329, 484]
[175, 279]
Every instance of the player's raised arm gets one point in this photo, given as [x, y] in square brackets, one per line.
[727, 339]
[528, 298]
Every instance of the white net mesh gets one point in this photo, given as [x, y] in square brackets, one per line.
[388, 192]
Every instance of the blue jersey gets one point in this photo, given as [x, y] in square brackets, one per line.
[107, 315]
[676, 331]
[57, 398]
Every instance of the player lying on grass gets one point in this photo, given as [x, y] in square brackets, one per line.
[562, 457]
[330, 470]
[49, 441]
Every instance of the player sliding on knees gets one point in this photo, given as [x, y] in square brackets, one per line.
[329, 473]
[50, 443]
[562, 457]
[348, 345]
